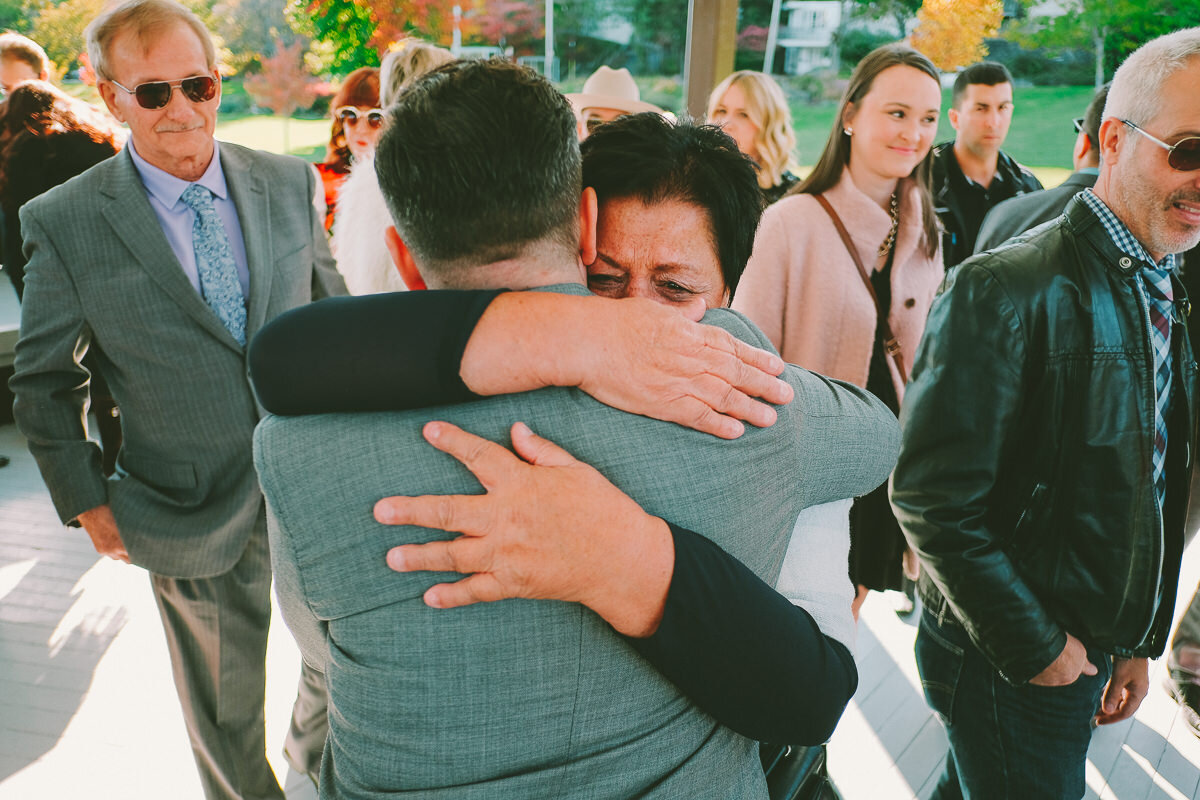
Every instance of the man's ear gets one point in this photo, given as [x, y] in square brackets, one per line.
[109, 94]
[1083, 150]
[953, 115]
[1112, 133]
[402, 258]
[588, 211]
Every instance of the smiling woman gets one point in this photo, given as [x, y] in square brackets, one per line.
[829, 299]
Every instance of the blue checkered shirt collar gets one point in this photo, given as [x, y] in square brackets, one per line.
[1120, 235]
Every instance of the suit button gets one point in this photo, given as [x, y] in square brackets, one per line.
[910, 302]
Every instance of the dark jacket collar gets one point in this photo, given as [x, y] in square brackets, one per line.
[1087, 227]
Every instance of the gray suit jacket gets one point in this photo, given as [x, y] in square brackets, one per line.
[532, 699]
[100, 269]
[1019, 214]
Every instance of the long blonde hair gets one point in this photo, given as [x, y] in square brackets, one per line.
[768, 110]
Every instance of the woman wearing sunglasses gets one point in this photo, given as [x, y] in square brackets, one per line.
[358, 242]
[357, 121]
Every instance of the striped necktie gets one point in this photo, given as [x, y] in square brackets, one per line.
[219, 283]
[1160, 296]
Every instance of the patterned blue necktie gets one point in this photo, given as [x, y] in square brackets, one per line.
[1160, 296]
[214, 261]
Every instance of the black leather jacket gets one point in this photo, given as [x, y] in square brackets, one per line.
[1025, 477]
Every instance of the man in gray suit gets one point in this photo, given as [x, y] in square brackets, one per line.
[170, 255]
[523, 698]
[1019, 214]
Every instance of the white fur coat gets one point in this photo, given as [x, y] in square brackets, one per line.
[358, 242]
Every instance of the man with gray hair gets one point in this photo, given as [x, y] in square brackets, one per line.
[170, 256]
[1046, 453]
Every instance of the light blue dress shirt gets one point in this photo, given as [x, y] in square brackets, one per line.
[176, 217]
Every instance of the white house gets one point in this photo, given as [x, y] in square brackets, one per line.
[806, 30]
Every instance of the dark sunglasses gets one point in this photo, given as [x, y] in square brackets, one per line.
[1184, 155]
[349, 115]
[156, 94]
[1078, 123]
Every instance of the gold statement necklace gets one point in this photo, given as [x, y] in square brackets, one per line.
[894, 212]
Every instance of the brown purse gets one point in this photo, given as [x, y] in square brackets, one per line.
[891, 345]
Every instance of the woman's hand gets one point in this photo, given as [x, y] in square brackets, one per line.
[549, 527]
[632, 354]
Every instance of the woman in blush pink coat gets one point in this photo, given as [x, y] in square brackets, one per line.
[804, 289]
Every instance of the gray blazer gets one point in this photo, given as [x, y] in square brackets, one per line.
[532, 699]
[1019, 214]
[100, 269]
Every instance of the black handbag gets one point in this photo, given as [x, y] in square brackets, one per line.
[796, 773]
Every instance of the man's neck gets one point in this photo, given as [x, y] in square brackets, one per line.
[539, 264]
[1104, 189]
[979, 167]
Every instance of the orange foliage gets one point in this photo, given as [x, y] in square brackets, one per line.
[951, 32]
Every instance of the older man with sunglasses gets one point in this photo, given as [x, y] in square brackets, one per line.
[171, 255]
[1048, 434]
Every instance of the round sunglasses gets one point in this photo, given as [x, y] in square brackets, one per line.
[1183, 156]
[156, 94]
[349, 115]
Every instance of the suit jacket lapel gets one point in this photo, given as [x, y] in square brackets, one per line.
[134, 222]
[249, 192]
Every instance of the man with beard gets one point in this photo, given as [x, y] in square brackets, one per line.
[1046, 453]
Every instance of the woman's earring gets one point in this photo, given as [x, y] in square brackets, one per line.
[848, 131]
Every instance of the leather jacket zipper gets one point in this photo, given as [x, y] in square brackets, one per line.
[1144, 303]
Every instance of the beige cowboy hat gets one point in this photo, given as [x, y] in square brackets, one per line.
[611, 88]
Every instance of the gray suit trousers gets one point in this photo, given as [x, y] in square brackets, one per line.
[217, 635]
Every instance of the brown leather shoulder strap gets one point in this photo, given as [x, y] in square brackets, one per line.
[891, 344]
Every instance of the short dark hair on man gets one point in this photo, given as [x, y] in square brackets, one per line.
[1095, 115]
[652, 159]
[478, 160]
[985, 73]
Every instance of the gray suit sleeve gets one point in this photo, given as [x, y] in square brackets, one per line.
[309, 632]
[49, 383]
[845, 429]
[326, 280]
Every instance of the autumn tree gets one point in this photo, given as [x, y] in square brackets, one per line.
[250, 28]
[58, 28]
[357, 31]
[505, 23]
[951, 32]
[283, 85]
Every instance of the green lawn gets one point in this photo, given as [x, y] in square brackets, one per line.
[305, 138]
[1041, 136]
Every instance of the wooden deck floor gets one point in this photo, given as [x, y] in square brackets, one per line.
[87, 708]
[890, 745]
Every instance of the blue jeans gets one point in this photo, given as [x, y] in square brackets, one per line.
[1022, 742]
